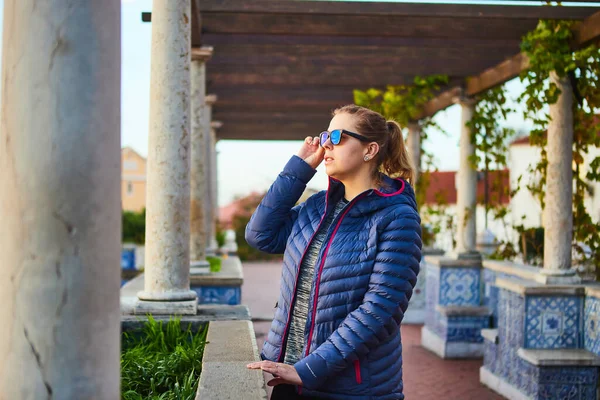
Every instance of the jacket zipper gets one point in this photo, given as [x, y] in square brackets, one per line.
[289, 319]
[357, 371]
[316, 297]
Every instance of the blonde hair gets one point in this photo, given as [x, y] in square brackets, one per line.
[392, 158]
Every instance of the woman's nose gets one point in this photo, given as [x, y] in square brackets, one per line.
[328, 145]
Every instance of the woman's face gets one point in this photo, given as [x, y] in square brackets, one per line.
[346, 158]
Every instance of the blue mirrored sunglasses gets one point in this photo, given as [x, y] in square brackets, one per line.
[336, 136]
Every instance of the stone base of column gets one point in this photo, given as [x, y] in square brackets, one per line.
[182, 302]
[213, 248]
[186, 307]
[558, 277]
[201, 267]
[470, 255]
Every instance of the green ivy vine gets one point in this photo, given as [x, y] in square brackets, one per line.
[491, 141]
[549, 50]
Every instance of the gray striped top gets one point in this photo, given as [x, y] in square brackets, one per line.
[295, 341]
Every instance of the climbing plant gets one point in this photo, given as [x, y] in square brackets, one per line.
[405, 105]
[549, 49]
[491, 140]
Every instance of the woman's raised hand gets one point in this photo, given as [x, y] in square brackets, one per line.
[311, 152]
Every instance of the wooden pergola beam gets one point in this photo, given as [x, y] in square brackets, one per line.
[585, 32]
[345, 8]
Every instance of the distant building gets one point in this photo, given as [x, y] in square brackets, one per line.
[133, 180]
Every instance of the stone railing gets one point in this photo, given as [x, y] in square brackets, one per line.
[231, 345]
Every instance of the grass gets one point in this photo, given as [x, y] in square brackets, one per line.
[215, 263]
[163, 362]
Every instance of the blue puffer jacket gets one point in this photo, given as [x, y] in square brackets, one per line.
[364, 277]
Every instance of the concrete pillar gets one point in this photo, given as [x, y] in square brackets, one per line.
[467, 184]
[167, 270]
[60, 200]
[198, 234]
[413, 144]
[211, 241]
[558, 211]
[214, 125]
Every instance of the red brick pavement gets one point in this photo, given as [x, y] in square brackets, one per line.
[426, 376]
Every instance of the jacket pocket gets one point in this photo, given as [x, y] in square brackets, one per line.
[357, 371]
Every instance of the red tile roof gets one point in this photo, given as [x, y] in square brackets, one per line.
[442, 187]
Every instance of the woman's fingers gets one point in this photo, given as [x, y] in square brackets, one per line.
[276, 381]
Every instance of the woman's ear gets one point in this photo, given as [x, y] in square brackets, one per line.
[373, 149]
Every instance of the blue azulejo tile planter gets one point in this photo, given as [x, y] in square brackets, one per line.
[455, 314]
[223, 287]
[541, 348]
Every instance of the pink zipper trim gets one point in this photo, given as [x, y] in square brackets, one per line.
[314, 316]
[357, 371]
[287, 324]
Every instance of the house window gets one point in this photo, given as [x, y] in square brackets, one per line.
[129, 165]
[129, 189]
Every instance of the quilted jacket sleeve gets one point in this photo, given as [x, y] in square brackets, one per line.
[390, 288]
[271, 223]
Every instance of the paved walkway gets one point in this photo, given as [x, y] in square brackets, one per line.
[426, 376]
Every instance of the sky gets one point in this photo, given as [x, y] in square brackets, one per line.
[246, 166]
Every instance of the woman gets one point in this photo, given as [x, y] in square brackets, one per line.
[351, 259]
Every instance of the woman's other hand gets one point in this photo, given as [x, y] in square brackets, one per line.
[311, 152]
[283, 373]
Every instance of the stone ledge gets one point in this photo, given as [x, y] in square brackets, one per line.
[593, 291]
[457, 311]
[533, 274]
[534, 288]
[230, 346]
[205, 314]
[230, 341]
[230, 381]
[491, 335]
[447, 262]
[559, 357]
[231, 274]
[519, 270]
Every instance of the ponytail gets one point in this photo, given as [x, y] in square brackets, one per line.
[392, 159]
[395, 160]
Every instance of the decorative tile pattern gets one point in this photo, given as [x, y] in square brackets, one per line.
[592, 322]
[490, 356]
[418, 299]
[460, 286]
[553, 322]
[465, 328]
[557, 383]
[541, 321]
[219, 295]
[432, 297]
[490, 294]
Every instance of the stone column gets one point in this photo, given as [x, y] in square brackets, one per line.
[167, 271]
[214, 125]
[413, 144]
[60, 200]
[198, 232]
[212, 246]
[467, 185]
[558, 212]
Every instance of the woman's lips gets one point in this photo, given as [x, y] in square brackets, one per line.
[328, 160]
